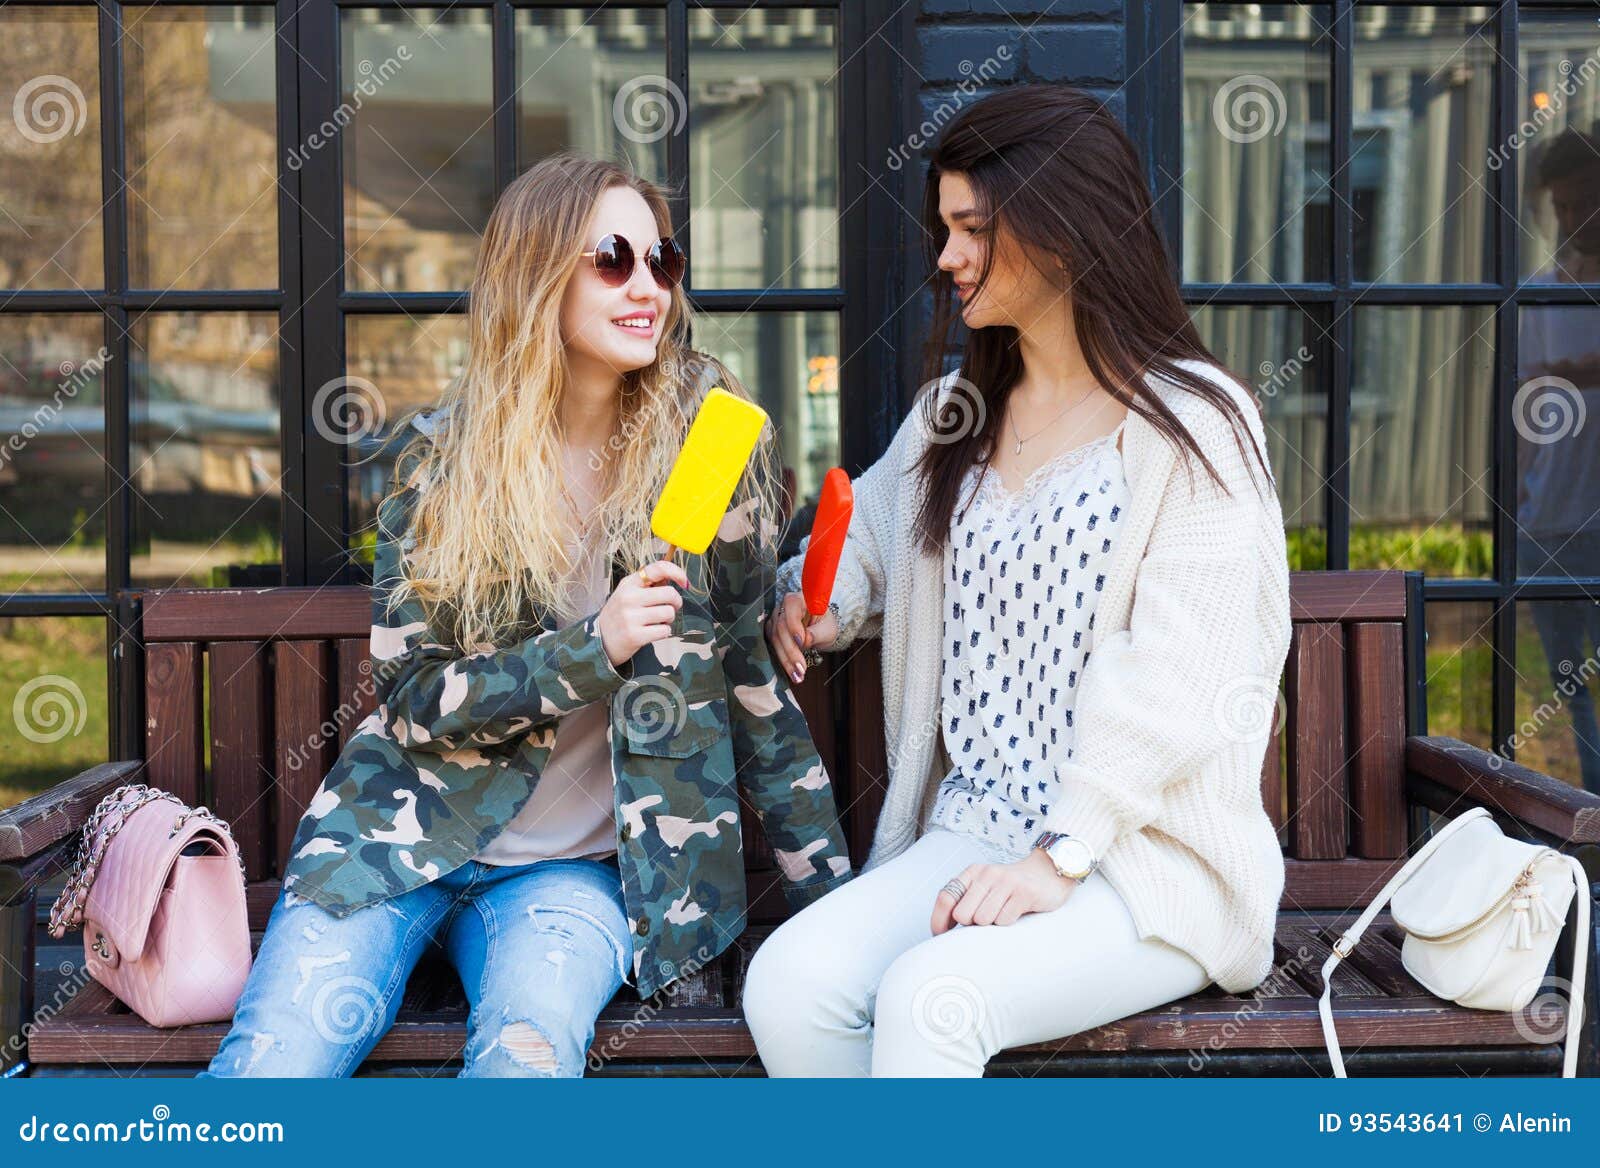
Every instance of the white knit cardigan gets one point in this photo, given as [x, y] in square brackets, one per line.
[1175, 708]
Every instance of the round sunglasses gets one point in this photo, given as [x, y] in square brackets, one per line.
[614, 261]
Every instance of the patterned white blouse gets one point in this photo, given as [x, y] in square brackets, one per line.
[1023, 572]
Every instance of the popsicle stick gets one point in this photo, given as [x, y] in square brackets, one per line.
[671, 551]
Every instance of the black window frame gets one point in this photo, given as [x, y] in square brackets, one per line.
[1161, 121]
[311, 303]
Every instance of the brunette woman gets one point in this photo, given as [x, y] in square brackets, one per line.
[1074, 555]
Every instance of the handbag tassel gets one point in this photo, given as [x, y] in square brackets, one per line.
[1521, 934]
[1531, 913]
[1541, 909]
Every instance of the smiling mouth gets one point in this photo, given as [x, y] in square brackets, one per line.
[641, 325]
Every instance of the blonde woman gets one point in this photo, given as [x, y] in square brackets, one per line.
[549, 787]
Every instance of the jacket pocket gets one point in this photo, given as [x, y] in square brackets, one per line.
[654, 716]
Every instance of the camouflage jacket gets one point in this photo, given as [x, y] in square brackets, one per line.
[457, 743]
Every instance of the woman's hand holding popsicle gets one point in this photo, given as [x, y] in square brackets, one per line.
[790, 636]
[641, 610]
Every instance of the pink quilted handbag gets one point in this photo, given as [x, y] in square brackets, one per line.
[158, 887]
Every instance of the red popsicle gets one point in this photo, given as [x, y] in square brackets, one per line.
[827, 541]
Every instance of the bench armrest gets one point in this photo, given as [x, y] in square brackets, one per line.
[1447, 774]
[38, 824]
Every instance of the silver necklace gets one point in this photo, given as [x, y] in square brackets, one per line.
[1017, 434]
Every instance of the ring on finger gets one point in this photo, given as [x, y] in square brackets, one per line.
[954, 887]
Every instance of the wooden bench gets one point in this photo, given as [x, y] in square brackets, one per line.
[278, 676]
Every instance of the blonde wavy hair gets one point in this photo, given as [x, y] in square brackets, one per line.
[491, 549]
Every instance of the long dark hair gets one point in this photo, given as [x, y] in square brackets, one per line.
[1052, 168]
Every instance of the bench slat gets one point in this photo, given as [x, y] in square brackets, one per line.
[305, 745]
[1376, 684]
[240, 739]
[173, 747]
[252, 614]
[91, 1030]
[1316, 737]
[357, 693]
[1347, 596]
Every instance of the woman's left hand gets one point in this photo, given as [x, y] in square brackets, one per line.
[997, 894]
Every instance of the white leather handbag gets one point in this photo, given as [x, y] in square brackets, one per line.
[1481, 913]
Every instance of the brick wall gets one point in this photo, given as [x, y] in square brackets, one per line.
[965, 48]
[1080, 42]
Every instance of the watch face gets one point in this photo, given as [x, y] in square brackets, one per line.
[1073, 856]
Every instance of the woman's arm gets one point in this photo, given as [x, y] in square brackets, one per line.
[773, 754]
[440, 700]
[859, 587]
[1153, 704]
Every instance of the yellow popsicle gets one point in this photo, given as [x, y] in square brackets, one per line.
[703, 479]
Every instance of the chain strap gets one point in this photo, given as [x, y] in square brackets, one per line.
[112, 812]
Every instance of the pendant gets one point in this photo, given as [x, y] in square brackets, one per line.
[1018, 450]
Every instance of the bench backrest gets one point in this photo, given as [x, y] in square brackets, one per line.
[276, 679]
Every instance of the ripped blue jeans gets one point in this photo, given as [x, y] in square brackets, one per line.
[541, 948]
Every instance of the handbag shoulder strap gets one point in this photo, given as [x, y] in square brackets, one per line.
[1349, 939]
[1580, 962]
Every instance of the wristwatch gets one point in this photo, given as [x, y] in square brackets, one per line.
[1070, 855]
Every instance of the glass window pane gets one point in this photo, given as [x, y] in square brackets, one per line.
[1255, 142]
[52, 701]
[1424, 97]
[1558, 679]
[1461, 671]
[790, 362]
[763, 148]
[52, 453]
[50, 229]
[1420, 412]
[419, 146]
[399, 363]
[202, 141]
[1557, 145]
[592, 79]
[1279, 351]
[1556, 414]
[206, 471]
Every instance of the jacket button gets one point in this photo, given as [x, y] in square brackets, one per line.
[626, 833]
[644, 926]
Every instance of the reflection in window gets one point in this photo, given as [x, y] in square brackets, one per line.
[1559, 161]
[789, 361]
[1255, 142]
[592, 80]
[1558, 678]
[1420, 426]
[1279, 351]
[1556, 414]
[50, 229]
[53, 693]
[763, 148]
[1460, 671]
[202, 140]
[419, 146]
[52, 453]
[1424, 95]
[206, 471]
[406, 362]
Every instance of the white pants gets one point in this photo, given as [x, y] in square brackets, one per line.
[856, 983]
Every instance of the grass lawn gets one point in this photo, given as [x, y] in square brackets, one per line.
[64, 659]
